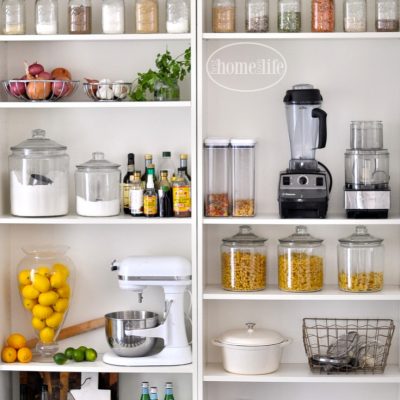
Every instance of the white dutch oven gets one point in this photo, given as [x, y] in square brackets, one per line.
[251, 351]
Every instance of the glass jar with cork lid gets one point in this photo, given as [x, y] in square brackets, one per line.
[79, 16]
[146, 16]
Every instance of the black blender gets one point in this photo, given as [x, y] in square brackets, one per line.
[304, 187]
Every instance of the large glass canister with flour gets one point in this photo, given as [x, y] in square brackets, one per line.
[39, 177]
[97, 186]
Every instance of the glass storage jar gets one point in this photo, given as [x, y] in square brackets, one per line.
[360, 262]
[300, 262]
[146, 16]
[45, 277]
[257, 16]
[223, 16]
[243, 175]
[113, 16]
[323, 16]
[289, 15]
[387, 15]
[79, 16]
[97, 186]
[46, 17]
[216, 177]
[178, 12]
[39, 177]
[13, 17]
[355, 15]
[244, 261]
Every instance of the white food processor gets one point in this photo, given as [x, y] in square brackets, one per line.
[131, 335]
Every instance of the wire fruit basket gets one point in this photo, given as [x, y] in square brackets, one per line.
[347, 345]
[99, 91]
[40, 89]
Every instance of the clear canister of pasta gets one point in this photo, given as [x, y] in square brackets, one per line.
[243, 261]
[360, 262]
[300, 262]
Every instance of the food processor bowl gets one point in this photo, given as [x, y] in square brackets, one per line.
[117, 323]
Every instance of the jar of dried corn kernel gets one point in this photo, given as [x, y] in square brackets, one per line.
[244, 261]
[360, 262]
[300, 262]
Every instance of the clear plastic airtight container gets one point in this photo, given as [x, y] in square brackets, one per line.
[360, 262]
[97, 183]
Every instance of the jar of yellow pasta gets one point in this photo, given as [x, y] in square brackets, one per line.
[244, 261]
[360, 262]
[300, 262]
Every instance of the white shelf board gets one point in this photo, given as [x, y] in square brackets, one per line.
[274, 219]
[301, 35]
[78, 220]
[301, 373]
[95, 37]
[95, 104]
[329, 292]
[96, 366]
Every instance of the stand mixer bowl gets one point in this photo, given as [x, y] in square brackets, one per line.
[130, 346]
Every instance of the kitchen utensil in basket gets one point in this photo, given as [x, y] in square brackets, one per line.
[347, 345]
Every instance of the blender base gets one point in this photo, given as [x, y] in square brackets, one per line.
[367, 214]
[308, 209]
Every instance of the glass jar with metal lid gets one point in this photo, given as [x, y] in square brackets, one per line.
[244, 261]
[360, 262]
[97, 184]
[38, 170]
[300, 262]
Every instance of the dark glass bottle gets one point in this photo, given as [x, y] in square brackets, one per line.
[150, 203]
[164, 196]
[126, 183]
[148, 159]
[183, 163]
[145, 391]
[44, 393]
[169, 395]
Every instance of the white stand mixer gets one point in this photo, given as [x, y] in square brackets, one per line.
[174, 275]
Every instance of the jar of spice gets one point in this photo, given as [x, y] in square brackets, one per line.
[13, 17]
[79, 16]
[300, 262]
[113, 16]
[146, 16]
[360, 262]
[178, 12]
[322, 16]
[46, 15]
[355, 15]
[244, 261]
[223, 16]
[289, 15]
[257, 16]
[387, 15]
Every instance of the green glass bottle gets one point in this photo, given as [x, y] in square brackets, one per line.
[153, 393]
[145, 391]
[169, 395]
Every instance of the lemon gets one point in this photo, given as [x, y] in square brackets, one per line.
[41, 312]
[46, 334]
[24, 277]
[41, 283]
[30, 292]
[54, 320]
[64, 291]
[58, 279]
[61, 305]
[29, 303]
[48, 299]
[38, 324]
[44, 271]
[61, 268]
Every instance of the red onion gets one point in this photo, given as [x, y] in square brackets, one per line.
[35, 69]
[17, 88]
[44, 75]
[61, 88]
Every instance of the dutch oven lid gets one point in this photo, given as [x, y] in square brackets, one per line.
[251, 337]
[38, 142]
[244, 236]
[360, 237]
[98, 162]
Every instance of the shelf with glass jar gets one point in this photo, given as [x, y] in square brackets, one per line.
[302, 36]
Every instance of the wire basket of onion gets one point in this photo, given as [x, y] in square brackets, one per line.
[106, 90]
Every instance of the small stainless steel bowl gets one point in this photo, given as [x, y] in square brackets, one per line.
[130, 346]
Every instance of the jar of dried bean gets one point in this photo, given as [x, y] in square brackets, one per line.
[80, 16]
[244, 261]
[289, 16]
[387, 15]
[146, 16]
[360, 262]
[322, 16]
[300, 262]
[257, 16]
[216, 177]
[223, 16]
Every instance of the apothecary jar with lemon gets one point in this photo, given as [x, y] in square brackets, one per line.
[45, 277]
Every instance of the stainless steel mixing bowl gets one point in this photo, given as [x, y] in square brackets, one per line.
[130, 346]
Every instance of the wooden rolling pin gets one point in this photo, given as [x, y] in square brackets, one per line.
[74, 330]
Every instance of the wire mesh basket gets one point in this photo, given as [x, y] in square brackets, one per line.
[99, 91]
[39, 89]
[347, 345]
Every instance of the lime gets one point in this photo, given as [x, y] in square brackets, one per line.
[60, 358]
[78, 355]
[83, 348]
[69, 353]
[90, 355]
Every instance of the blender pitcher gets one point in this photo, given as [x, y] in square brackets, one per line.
[306, 125]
